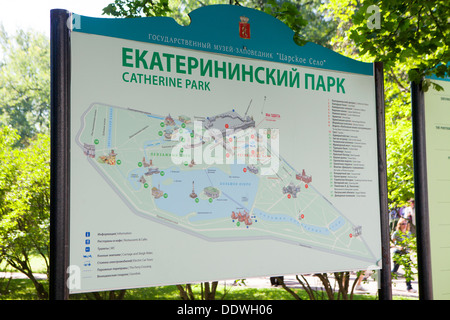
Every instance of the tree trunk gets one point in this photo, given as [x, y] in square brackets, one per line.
[291, 292]
[41, 292]
[23, 266]
[306, 287]
[342, 279]
[326, 284]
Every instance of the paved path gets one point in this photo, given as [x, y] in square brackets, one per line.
[18, 275]
[370, 286]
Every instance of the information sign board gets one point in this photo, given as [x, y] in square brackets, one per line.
[437, 132]
[217, 150]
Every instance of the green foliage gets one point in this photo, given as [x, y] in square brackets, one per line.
[399, 146]
[24, 151]
[25, 202]
[410, 31]
[8, 138]
[138, 8]
[25, 83]
[288, 13]
[306, 18]
[408, 260]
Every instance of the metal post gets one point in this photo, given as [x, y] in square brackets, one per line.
[60, 152]
[421, 192]
[385, 291]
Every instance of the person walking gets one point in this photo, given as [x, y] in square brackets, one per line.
[400, 238]
[410, 214]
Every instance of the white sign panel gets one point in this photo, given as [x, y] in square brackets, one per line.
[200, 158]
[437, 123]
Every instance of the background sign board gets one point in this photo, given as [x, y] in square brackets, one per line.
[437, 132]
[218, 150]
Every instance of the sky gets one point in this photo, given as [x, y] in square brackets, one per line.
[35, 14]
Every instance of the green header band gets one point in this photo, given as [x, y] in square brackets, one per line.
[225, 29]
[434, 77]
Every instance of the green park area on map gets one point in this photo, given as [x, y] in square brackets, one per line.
[134, 152]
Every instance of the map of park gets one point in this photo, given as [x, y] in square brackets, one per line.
[134, 152]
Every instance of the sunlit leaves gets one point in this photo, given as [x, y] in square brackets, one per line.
[25, 82]
[137, 8]
[24, 197]
[416, 31]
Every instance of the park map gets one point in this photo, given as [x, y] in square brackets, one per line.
[134, 151]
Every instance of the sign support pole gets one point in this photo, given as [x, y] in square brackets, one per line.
[421, 192]
[60, 154]
[385, 291]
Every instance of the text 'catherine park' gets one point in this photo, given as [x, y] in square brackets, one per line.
[205, 69]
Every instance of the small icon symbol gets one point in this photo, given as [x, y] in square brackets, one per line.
[244, 28]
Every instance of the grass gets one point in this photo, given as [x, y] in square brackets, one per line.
[37, 265]
[228, 293]
[23, 289]
[17, 289]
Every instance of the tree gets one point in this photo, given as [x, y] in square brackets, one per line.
[407, 260]
[25, 83]
[24, 203]
[138, 8]
[24, 151]
[336, 286]
[209, 292]
[303, 17]
[417, 32]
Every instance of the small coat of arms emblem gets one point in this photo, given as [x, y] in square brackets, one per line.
[244, 28]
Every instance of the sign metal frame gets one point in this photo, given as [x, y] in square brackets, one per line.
[60, 154]
[60, 162]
